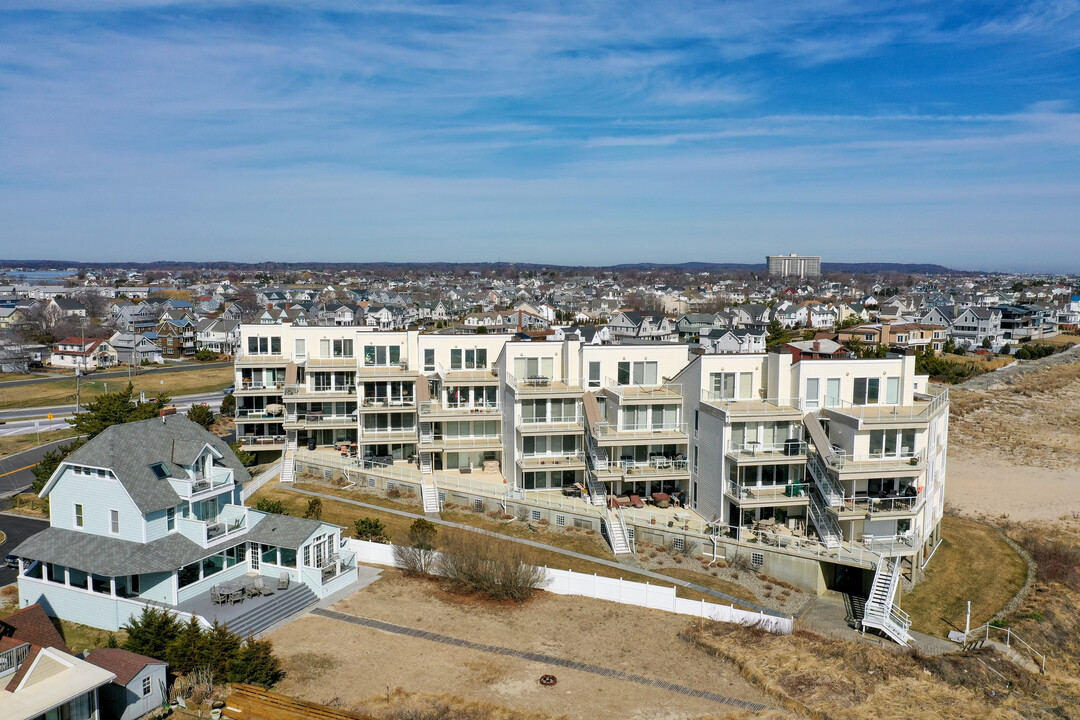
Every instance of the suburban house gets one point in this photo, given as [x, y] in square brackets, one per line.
[86, 354]
[137, 688]
[722, 341]
[152, 512]
[134, 348]
[176, 337]
[977, 324]
[39, 677]
[218, 335]
[817, 350]
[899, 336]
[642, 325]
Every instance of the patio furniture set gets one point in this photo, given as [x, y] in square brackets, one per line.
[235, 591]
[659, 499]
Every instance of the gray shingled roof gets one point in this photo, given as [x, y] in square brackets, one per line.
[282, 530]
[130, 449]
[110, 556]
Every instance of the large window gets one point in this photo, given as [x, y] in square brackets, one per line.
[526, 368]
[867, 391]
[336, 348]
[381, 355]
[637, 373]
[468, 359]
[832, 392]
[264, 346]
[729, 385]
[594, 374]
[892, 443]
[429, 359]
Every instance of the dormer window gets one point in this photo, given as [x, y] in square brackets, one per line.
[161, 471]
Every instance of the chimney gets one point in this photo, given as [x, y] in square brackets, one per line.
[817, 345]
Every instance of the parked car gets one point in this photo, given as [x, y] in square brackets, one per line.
[12, 561]
[229, 390]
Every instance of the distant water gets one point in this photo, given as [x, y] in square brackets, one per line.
[34, 277]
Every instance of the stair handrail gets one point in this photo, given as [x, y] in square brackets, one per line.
[632, 544]
[1010, 636]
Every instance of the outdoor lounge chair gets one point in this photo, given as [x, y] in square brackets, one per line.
[635, 500]
[283, 581]
[260, 586]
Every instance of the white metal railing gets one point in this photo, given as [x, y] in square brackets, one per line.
[294, 390]
[262, 385]
[829, 489]
[875, 461]
[467, 374]
[826, 528]
[1011, 638]
[542, 383]
[547, 422]
[256, 440]
[653, 466]
[751, 406]
[321, 419]
[883, 505]
[257, 415]
[387, 401]
[788, 492]
[784, 448]
[11, 659]
[432, 407]
[389, 432]
[922, 408]
[661, 391]
[607, 430]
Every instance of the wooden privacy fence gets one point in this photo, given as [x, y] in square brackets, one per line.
[249, 702]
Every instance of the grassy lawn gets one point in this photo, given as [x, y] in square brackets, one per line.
[983, 362]
[973, 563]
[30, 504]
[397, 528]
[82, 637]
[188, 382]
[17, 443]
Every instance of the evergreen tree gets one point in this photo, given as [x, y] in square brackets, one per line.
[201, 414]
[221, 647]
[188, 649]
[151, 633]
[116, 408]
[256, 664]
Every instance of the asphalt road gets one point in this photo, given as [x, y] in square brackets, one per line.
[16, 424]
[15, 470]
[117, 373]
[17, 529]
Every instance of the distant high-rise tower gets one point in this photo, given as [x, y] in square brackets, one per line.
[793, 265]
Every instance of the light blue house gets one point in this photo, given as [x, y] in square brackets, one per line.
[151, 512]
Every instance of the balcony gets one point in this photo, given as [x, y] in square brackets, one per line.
[468, 376]
[541, 385]
[550, 426]
[848, 467]
[262, 442]
[461, 442]
[920, 411]
[608, 434]
[247, 360]
[383, 403]
[879, 506]
[319, 392]
[552, 461]
[260, 387]
[295, 421]
[436, 409]
[656, 467]
[758, 453]
[11, 659]
[369, 435]
[230, 522]
[751, 409]
[397, 371]
[332, 362]
[207, 485]
[244, 415]
[630, 393]
[766, 495]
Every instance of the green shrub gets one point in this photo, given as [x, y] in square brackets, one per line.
[371, 529]
[275, 507]
[201, 414]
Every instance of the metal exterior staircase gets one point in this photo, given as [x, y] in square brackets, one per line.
[427, 433]
[830, 489]
[288, 462]
[880, 612]
[597, 491]
[826, 527]
[620, 543]
[429, 490]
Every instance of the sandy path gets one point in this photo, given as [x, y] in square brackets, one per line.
[366, 662]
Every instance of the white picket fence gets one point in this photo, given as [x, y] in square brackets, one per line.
[567, 582]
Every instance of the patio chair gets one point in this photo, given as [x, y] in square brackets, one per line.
[260, 586]
[236, 596]
[216, 597]
[635, 500]
[283, 581]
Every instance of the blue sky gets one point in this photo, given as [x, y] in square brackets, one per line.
[572, 133]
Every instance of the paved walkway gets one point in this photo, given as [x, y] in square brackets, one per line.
[827, 615]
[539, 658]
[541, 546]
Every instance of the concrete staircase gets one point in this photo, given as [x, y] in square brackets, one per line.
[264, 614]
[880, 612]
